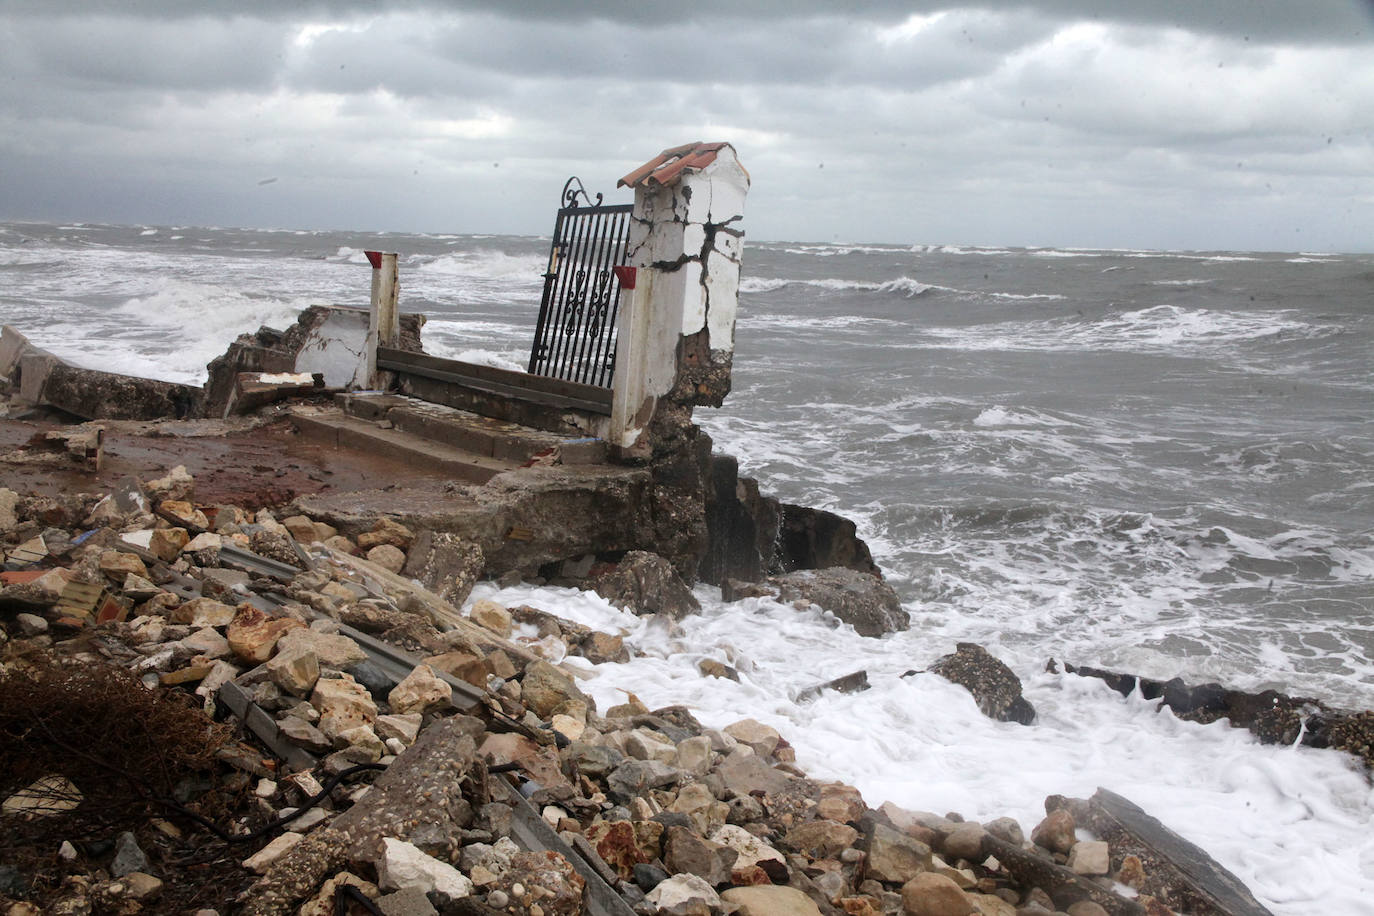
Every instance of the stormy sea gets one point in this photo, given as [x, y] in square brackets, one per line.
[1153, 462]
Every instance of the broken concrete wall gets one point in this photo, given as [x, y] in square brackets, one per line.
[48, 380]
[14, 347]
[326, 340]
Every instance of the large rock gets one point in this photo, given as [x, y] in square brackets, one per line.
[386, 531]
[744, 774]
[128, 856]
[1275, 718]
[1056, 831]
[994, 686]
[253, 635]
[546, 690]
[9, 503]
[635, 777]
[684, 895]
[295, 671]
[390, 558]
[763, 739]
[685, 851]
[536, 761]
[116, 564]
[203, 612]
[463, 665]
[1090, 857]
[861, 600]
[420, 690]
[343, 703]
[750, 849]
[167, 543]
[706, 812]
[934, 895]
[741, 526]
[403, 865]
[770, 900]
[625, 844]
[334, 650]
[822, 839]
[445, 563]
[965, 841]
[645, 583]
[816, 539]
[895, 857]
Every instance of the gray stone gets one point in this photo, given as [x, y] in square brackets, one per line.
[128, 856]
[1089, 857]
[861, 600]
[684, 851]
[684, 895]
[770, 900]
[965, 842]
[895, 857]
[645, 583]
[635, 777]
[1055, 832]
[595, 760]
[27, 625]
[1006, 828]
[994, 686]
[410, 901]
[402, 865]
[545, 690]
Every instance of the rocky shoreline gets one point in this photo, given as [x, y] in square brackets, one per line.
[265, 644]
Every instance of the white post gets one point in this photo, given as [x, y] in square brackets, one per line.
[384, 320]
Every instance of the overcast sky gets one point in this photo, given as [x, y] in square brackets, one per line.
[1150, 123]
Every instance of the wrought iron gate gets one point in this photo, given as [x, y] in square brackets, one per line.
[576, 335]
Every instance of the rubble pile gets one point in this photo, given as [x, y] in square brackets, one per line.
[389, 748]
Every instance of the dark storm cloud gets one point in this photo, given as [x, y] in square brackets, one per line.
[1042, 121]
[1286, 20]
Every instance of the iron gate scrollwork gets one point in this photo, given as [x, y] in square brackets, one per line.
[575, 338]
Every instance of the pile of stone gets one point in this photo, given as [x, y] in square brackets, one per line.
[634, 808]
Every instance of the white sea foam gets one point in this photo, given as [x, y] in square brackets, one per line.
[1002, 416]
[1168, 328]
[905, 286]
[350, 255]
[488, 265]
[958, 249]
[761, 284]
[826, 251]
[482, 357]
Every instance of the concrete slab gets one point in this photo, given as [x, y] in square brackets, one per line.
[331, 426]
[449, 425]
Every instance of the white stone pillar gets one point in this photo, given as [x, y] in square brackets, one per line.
[677, 330]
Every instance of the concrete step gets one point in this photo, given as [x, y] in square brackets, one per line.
[332, 427]
[484, 436]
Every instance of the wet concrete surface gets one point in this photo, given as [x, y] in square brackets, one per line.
[250, 466]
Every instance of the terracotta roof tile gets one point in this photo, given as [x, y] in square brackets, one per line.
[665, 168]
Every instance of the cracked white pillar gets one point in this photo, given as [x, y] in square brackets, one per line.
[677, 328]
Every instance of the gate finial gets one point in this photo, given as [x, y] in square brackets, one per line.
[570, 194]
